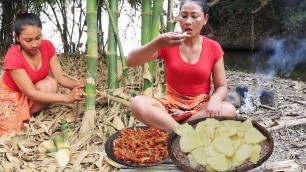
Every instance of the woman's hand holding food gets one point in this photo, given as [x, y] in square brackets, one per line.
[172, 38]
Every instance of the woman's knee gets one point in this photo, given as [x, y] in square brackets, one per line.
[137, 103]
[141, 104]
[48, 84]
[228, 109]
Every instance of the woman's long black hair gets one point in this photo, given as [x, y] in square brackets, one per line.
[23, 18]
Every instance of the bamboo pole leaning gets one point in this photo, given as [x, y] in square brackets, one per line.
[112, 7]
[114, 24]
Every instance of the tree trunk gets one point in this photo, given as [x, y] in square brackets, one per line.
[88, 122]
[6, 34]
[65, 33]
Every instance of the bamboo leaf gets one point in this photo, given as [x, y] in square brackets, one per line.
[117, 123]
[79, 159]
[112, 163]
[131, 121]
[12, 159]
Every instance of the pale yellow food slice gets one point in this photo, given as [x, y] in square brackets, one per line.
[212, 122]
[183, 129]
[225, 131]
[192, 161]
[244, 126]
[205, 133]
[230, 123]
[237, 143]
[212, 152]
[252, 135]
[229, 161]
[255, 156]
[200, 155]
[243, 153]
[218, 163]
[240, 134]
[224, 145]
[190, 141]
[235, 137]
[208, 168]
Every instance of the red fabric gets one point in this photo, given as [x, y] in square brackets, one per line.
[14, 110]
[191, 79]
[181, 107]
[15, 60]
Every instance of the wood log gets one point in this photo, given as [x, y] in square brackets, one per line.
[288, 124]
[268, 123]
[297, 101]
[287, 165]
[267, 107]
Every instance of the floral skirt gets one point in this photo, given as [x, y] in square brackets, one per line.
[14, 110]
[181, 107]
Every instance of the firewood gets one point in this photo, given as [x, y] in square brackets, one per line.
[266, 107]
[288, 124]
[287, 165]
[297, 101]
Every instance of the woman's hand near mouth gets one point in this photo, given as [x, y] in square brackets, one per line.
[173, 38]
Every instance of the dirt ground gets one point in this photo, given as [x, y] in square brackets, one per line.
[23, 153]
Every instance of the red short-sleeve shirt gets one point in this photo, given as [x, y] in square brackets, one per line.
[15, 60]
[191, 79]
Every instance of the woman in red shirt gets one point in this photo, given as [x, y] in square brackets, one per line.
[190, 61]
[25, 87]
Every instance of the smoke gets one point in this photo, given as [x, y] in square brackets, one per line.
[279, 56]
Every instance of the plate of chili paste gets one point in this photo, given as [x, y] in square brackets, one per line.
[139, 146]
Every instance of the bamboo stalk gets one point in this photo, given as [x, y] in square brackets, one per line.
[92, 54]
[171, 20]
[115, 30]
[112, 8]
[88, 121]
[145, 38]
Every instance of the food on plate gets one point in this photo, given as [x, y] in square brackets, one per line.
[252, 135]
[224, 145]
[141, 146]
[190, 141]
[219, 163]
[200, 155]
[220, 145]
[183, 129]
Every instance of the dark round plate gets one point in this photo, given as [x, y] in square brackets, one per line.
[109, 146]
[180, 158]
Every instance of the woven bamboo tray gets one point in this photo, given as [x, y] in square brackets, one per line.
[180, 158]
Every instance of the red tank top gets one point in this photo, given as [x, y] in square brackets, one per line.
[15, 60]
[191, 79]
